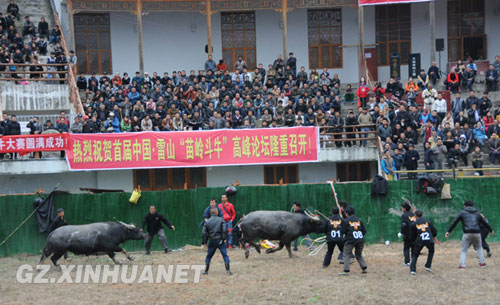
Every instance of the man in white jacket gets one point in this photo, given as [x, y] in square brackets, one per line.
[440, 106]
[429, 94]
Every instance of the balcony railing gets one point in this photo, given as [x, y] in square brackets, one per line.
[21, 72]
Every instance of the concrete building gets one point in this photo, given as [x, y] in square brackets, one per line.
[321, 34]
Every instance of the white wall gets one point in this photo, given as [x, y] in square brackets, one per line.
[317, 173]
[441, 12]
[226, 175]
[16, 184]
[171, 41]
[297, 37]
[492, 27]
[69, 181]
[270, 36]
[115, 180]
[124, 50]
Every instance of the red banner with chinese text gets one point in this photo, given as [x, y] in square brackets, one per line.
[24, 144]
[376, 2]
[192, 148]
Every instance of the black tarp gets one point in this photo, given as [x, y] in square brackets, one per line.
[46, 212]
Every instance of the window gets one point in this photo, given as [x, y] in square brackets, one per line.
[170, 178]
[466, 30]
[393, 32]
[358, 171]
[324, 32]
[93, 43]
[274, 173]
[238, 38]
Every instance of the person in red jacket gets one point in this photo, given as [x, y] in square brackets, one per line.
[362, 93]
[453, 81]
[228, 214]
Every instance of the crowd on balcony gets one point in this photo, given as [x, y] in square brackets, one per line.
[26, 45]
[285, 95]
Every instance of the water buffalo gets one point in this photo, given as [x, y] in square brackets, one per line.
[278, 225]
[90, 239]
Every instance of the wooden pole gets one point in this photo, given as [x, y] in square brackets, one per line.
[361, 49]
[139, 35]
[284, 9]
[209, 27]
[71, 25]
[432, 23]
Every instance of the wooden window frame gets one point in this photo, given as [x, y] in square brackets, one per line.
[360, 167]
[387, 24]
[460, 20]
[187, 176]
[240, 50]
[88, 50]
[330, 45]
[286, 166]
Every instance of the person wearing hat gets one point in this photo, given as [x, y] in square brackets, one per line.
[77, 126]
[58, 222]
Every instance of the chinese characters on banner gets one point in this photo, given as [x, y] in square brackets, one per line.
[376, 2]
[192, 148]
[24, 144]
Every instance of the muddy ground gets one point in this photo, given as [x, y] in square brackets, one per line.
[275, 279]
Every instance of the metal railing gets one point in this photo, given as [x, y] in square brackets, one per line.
[457, 172]
[21, 72]
[327, 138]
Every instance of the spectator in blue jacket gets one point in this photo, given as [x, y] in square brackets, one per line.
[491, 79]
[479, 134]
[133, 95]
[388, 165]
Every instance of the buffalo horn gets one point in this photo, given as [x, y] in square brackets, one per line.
[311, 216]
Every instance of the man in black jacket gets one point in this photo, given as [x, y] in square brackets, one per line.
[58, 222]
[215, 232]
[471, 220]
[407, 219]
[334, 236]
[13, 128]
[354, 231]
[153, 221]
[411, 158]
[422, 233]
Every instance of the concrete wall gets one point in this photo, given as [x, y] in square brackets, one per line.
[225, 175]
[69, 181]
[33, 98]
[124, 50]
[163, 51]
[492, 26]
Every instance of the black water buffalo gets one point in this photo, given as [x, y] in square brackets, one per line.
[277, 225]
[90, 239]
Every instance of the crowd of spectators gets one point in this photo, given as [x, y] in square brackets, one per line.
[25, 46]
[284, 95]
[462, 129]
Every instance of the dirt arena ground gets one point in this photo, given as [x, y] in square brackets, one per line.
[276, 279]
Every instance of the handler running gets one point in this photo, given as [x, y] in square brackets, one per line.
[215, 232]
[153, 221]
[334, 236]
[422, 233]
[406, 221]
[471, 220]
[354, 231]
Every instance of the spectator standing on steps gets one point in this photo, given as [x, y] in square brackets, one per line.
[13, 9]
